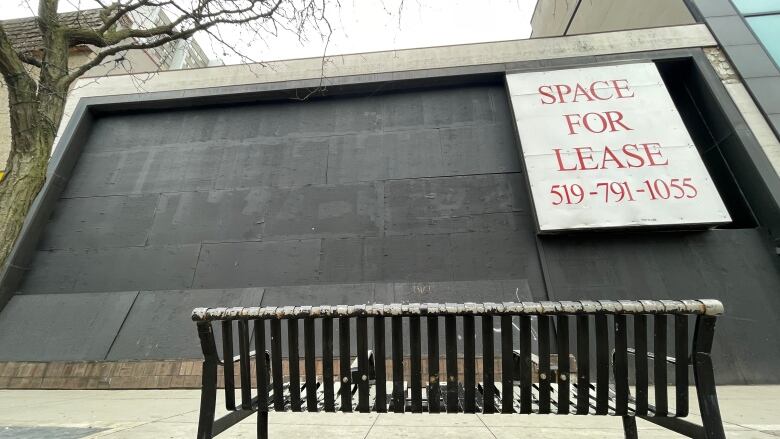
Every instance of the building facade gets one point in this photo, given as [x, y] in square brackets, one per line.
[402, 176]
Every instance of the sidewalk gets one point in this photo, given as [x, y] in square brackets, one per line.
[749, 412]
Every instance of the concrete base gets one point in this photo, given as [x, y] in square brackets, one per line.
[748, 412]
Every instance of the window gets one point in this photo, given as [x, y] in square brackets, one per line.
[767, 29]
[763, 16]
[757, 6]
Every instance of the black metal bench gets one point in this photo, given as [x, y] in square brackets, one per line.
[599, 331]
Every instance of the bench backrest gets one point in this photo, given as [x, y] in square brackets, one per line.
[601, 335]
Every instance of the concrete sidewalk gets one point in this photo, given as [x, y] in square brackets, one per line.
[749, 412]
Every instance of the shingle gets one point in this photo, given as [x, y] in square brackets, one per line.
[25, 36]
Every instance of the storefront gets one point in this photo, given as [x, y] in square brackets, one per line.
[609, 169]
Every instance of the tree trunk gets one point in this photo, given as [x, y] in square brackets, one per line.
[35, 111]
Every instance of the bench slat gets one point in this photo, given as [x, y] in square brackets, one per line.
[276, 364]
[525, 369]
[488, 403]
[310, 365]
[227, 360]
[244, 366]
[507, 365]
[327, 365]
[451, 346]
[380, 402]
[294, 365]
[621, 365]
[345, 372]
[602, 364]
[399, 402]
[659, 365]
[261, 366]
[681, 364]
[563, 364]
[583, 364]
[434, 391]
[415, 366]
[362, 356]
[640, 361]
[469, 376]
[544, 364]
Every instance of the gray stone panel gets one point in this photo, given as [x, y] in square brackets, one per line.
[507, 290]
[288, 162]
[247, 264]
[159, 325]
[752, 61]
[56, 327]
[332, 210]
[149, 170]
[369, 157]
[100, 222]
[346, 260]
[731, 31]
[452, 204]
[112, 269]
[767, 92]
[219, 215]
[479, 149]
[715, 8]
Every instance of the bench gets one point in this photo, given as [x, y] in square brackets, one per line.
[476, 374]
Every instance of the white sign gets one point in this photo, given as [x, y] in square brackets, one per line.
[605, 147]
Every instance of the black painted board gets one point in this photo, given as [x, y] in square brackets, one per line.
[736, 266]
[56, 327]
[112, 269]
[159, 325]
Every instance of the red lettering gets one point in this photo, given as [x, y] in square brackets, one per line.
[559, 88]
[546, 92]
[580, 91]
[633, 155]
[596, 95]
[650, 154]
[602, 123]
[571, 122]
[622, 85]
[614, 118]
[582, 157]
[610, 156]
[560, 161]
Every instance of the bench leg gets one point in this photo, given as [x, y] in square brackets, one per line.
[208, 400]
[262, 425]
[629, 427]
[708, 398]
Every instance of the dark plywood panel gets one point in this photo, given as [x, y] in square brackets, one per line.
[390, 155]
[496, 256]
[220, 215]
[286, 162]
[47, 327]
[453, 204]
[149, 170]
[100, 222]
[159, 324]
[332, 210]
[112, 269]
[436, 108]
[243, 264]
[326, 294]
[734, 266]
[479, 149]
